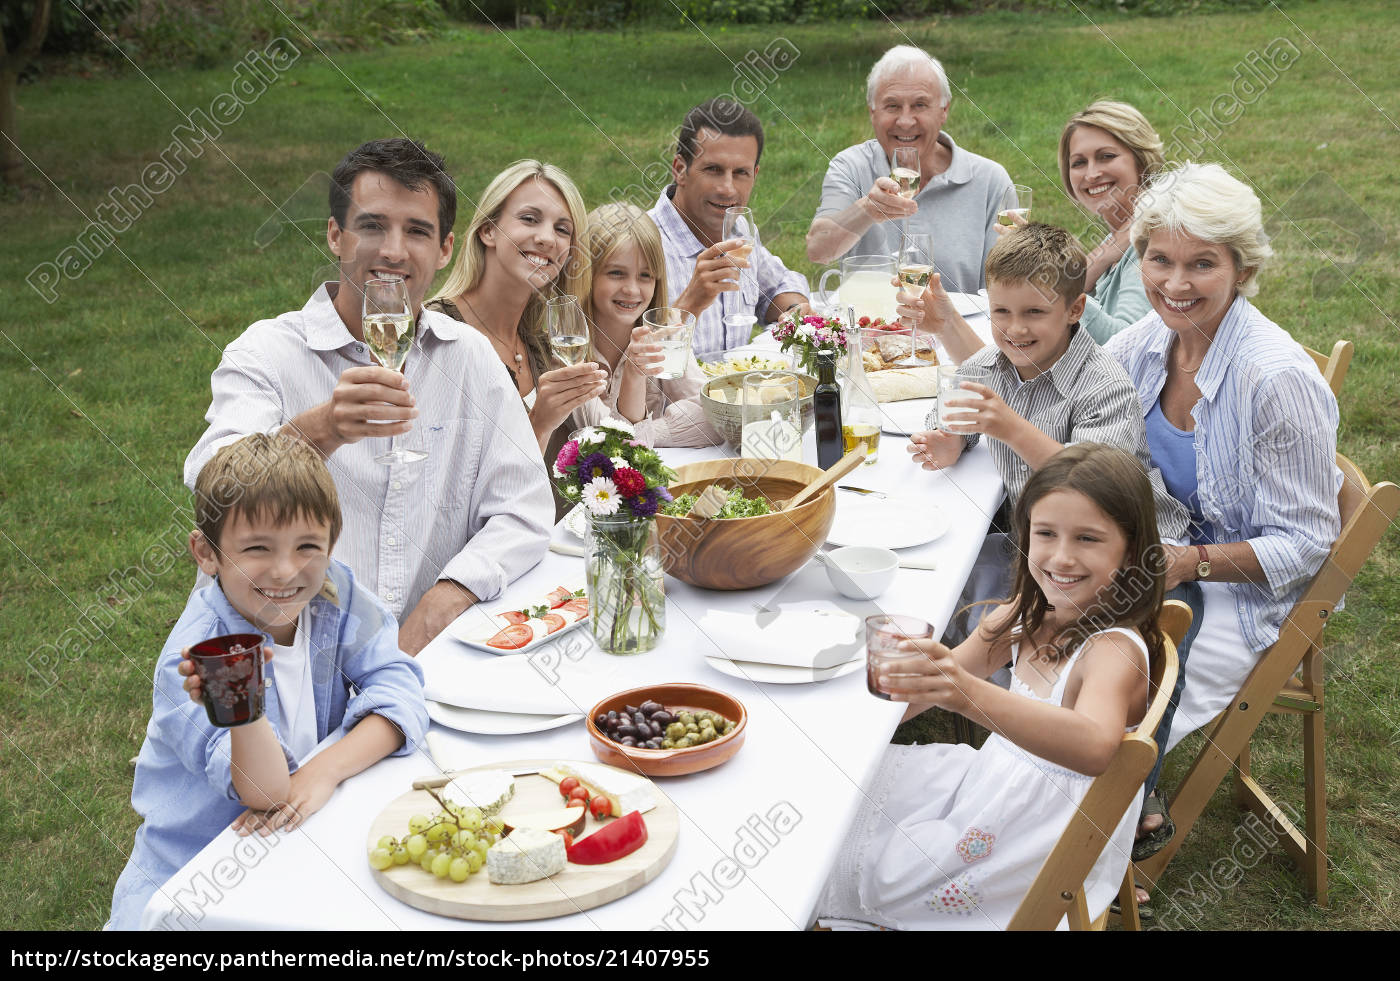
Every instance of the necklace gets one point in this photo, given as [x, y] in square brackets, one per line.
[1190, 371]
[495, 341]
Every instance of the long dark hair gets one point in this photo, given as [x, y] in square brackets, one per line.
[1118, 486]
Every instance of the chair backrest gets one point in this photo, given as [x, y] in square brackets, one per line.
[1333, 366]
[1058, 888]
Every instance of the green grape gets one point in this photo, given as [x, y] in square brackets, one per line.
[463, 840]
[426, 862]
[475, 860]
[380, 858]
[440, 832]
[495, 824]
[400, 855]
[416, 846]
[386, 842]
[418, 824]
[441, 864]
[479, 849]
[459, 870]
[471, 819]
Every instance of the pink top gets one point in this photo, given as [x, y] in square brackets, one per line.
[682, 423]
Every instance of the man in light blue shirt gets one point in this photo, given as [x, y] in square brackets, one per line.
[960, 193]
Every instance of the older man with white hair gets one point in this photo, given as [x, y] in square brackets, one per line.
[960, 192]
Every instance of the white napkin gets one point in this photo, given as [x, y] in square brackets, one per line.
[814, 636]
[969, 304]
[552, 680]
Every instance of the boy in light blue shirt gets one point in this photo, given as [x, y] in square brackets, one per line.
[267, 516]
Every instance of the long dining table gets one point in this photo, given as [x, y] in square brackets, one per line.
[777, 810]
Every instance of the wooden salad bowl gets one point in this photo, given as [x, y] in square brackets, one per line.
[741, 553]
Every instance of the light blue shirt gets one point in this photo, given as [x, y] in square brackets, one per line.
[1266, 452]
[1118, 300]
[184, 785]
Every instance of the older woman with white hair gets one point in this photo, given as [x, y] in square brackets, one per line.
[959, 193]
[1240, 423]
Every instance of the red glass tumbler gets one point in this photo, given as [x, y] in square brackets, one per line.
[231, 674]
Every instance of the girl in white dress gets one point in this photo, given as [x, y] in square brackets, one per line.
[956, 836]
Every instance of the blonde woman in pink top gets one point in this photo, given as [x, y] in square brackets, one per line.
[628, 279]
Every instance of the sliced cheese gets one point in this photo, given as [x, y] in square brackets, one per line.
[525, 855]
[487, 789]
[626, 792]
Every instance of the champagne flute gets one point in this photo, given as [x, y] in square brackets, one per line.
[568, 332]
[389, 326]
[905, 170]
[739, 223]
[1016, 201]
[915, 270]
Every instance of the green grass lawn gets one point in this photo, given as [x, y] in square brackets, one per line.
[105, 388]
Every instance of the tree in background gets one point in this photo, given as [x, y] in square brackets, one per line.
[12, 62]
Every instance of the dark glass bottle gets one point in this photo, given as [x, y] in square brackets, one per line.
[826, 406]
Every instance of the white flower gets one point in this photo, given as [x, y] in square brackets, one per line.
[600, 494]
[557, 472]
[588, 436]
[619, 424]
[806, 330]
[619, 462]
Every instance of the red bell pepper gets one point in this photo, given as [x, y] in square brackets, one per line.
[623, 837]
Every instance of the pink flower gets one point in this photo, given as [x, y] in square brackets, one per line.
[568, 455]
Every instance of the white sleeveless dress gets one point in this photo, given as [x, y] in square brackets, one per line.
[953, 837]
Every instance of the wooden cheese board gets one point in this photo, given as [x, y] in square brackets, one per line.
[576, 888]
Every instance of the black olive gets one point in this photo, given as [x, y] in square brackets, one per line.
[612, 716]
[627, 731]
[628, 741]
[663, 717]
[601, 721]
[629, 709]
[648, 707]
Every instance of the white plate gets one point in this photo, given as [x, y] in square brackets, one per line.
[475, 631]
[782, 674]
[905, 418]
[485, 723]
[894, 522]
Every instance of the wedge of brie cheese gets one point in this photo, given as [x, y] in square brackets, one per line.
[525, 855]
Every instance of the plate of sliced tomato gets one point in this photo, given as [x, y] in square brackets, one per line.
[521, 630]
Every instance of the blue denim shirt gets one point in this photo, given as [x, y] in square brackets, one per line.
[1266, 452]
[183, 786]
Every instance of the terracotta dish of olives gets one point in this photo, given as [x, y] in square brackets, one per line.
[667, 730]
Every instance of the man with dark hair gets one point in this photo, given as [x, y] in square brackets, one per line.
[434, 537]
[715, 166]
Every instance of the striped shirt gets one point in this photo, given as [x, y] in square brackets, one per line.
[764, 280]
[1266, 451]
[1084, 397]
[476, 511]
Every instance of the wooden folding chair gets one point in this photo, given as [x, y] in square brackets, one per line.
[1333, 366]
[1367, 513]
[1058, 890]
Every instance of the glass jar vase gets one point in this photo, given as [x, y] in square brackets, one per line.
[626, 584]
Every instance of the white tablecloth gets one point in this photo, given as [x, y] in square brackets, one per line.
[778, 809]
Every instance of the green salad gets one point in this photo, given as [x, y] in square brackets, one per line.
[735, 506]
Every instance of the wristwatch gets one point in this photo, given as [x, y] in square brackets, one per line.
[1203, 566]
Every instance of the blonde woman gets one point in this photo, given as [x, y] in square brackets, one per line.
[519, 250]
[624, 250]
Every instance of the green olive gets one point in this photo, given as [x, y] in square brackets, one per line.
[728, 728]
[708, 735]
[683, 742]
[668, 744]
[687, 718]
[675, 730]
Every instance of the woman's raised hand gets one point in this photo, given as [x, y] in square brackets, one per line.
[561, 391]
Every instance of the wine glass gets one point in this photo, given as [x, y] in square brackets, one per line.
[739, 223]
[905, 171]
[389, 326]
[915, 269]
[1016, 201]
[568, 331]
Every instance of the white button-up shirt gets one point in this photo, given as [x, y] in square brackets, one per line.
[477, 511]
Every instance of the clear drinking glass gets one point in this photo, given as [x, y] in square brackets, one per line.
[389, 327]
[904, 170]
[772, 417]
[950, 380]
[739, 223]
[568, 329]
[673, 329]
[883, 634]
[915, 270]
[1016, 201]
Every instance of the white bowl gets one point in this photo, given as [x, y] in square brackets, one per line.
[860, 571]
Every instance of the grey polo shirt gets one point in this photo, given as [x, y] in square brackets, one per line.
[957, 207]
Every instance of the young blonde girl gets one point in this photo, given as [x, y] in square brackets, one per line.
[956, 836]
[628, 278]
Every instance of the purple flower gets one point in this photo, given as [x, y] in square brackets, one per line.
[644, 504]
[594, 465]
[662, 493]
